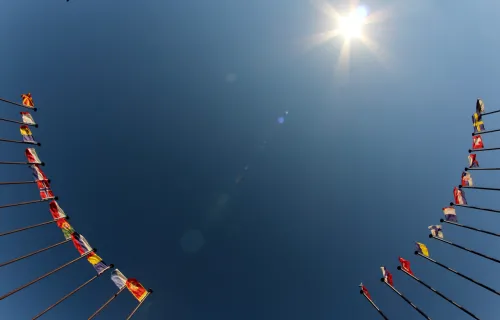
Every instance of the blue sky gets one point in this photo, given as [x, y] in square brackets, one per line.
[149, 111]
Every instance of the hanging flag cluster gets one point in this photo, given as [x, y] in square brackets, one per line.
[450, 218]
[59, 217]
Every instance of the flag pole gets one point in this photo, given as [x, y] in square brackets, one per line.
[106, 304]
[20, 182]
[45, 275]
[458, 273]
[374, 305]
[22, 142]
[31, 227]
[72, 292]
[491, 112]
[139, 305]
[470, 228]
[405, 299]
[26, 163]
[33, 253]
[27, 202]
[479, 188]
[481, 169]
[465, 249]
[26, 124]
[17, 104]
[483, 149]
[438, 293]
[473, 207]
[484, 132]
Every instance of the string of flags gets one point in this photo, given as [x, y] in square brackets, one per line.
[450, 218]
[59, 217]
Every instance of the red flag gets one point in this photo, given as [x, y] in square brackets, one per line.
[477, 142]
[405, 265]
[46, 194]
[365, 291]
[136, 289]
[42, 184]
[27, 100]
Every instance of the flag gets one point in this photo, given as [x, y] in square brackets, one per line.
[66, 228]
[472, 161]
[422, 249]
[479, 106]
[27, 118]
[32, 156]
[387, 276]
[118, 278]
[56, 211]
[405, 265]
[477, 142]
[43, 184]
[436, 231]
[466, 180]
[80, 243]
[365, 291]
[27, 135]
[450, 214]
[477, 122]
[459, 196]
[96, 261]
[138, 291]
[28, 100]
[38, 173]
[25, 131]
[46, 193]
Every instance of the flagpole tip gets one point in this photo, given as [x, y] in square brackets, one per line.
[150, 290]
[34, 109]
[466, 169]
[67, 218]
[451, 204]
[38, 144]
[361, 291]
[111, 266]
[430, 236]
[35, 125]
[416, 252]
[94, 250]
[399, 268]
[382, 279]
[459, 186]
[441, 220]
[56, 198]
[470, 150]
[41, 163]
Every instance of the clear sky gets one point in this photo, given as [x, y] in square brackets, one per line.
[150, 110]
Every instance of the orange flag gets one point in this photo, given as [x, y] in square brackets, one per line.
[136, 289]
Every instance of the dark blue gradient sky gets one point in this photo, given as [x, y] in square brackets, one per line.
[149, 111]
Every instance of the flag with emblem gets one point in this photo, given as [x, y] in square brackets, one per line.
[467, 180]
[136, 289]
[477, 122]
[405, 265]
[46, 194]
[65, 227]
[27, 118]
[459, 196]
[473, 163]
[32, 156]
[436, 231]
[477, 142]
[56, 211]
[28, 100]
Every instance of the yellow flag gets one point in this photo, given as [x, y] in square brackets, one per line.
[421, 248]
[94, 259]
[25, 131]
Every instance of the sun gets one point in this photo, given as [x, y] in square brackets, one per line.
[351, 26]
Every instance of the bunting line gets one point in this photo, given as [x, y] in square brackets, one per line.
[406, 299]
[458, 273]
[471, 228]
[437, 292]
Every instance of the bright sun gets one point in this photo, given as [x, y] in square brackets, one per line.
[352, 25]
